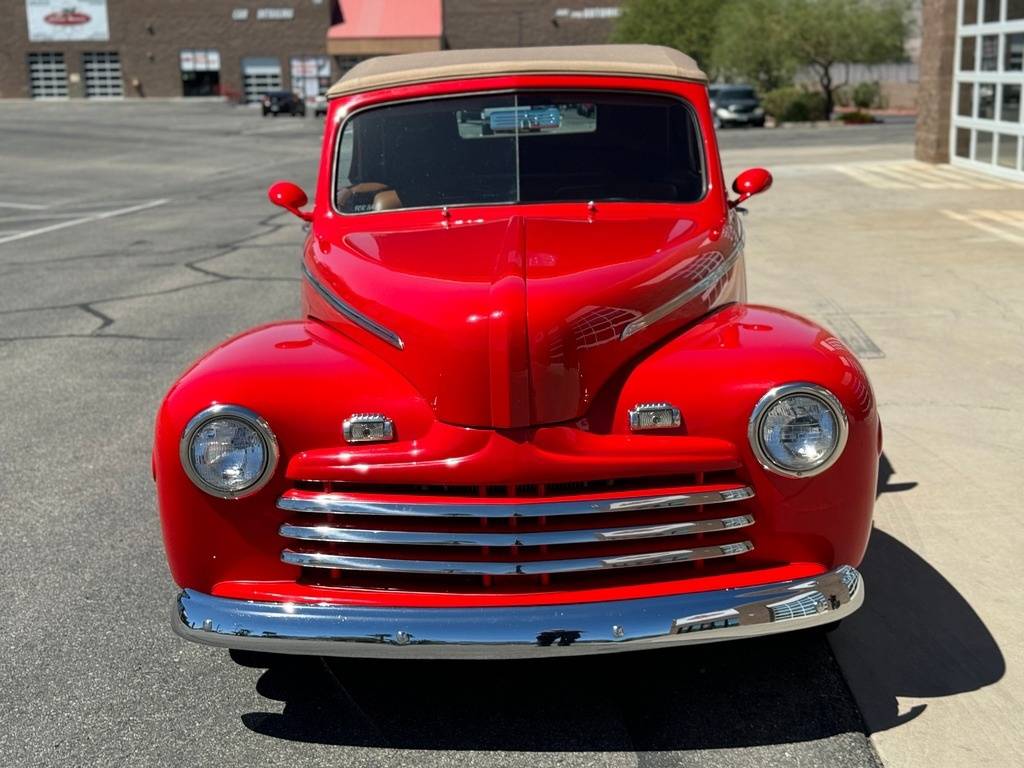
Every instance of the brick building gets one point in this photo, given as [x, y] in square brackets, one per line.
[972, 76]
[115, 48]
[56, 49]
[509, 23]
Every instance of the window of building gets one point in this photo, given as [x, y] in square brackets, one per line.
[968, 51]
[970, 11]
[1014, 57]
[48, 76]
[200, 72]
[1007, 153]
[983, 146]
[963, 143]
[991, 10]
[1009, 110]
[311, 76]
[1014, 9]
[260, 76]
[965, 100]
[102, 75]
[987, 101]
[989, 53]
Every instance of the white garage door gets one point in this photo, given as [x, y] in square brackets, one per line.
[988, 122]
[102, 73]
[48, 75]
[260, 75]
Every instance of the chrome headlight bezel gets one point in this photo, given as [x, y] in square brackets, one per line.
[773, 396]
[252, 420]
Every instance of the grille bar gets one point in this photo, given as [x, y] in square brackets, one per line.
[529, 568]
[331, 534]
[340, 504]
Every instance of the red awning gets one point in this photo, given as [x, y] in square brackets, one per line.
[372, 27]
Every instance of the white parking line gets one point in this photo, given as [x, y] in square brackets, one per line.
[24, 206]
[83, 220]
[1003, 217]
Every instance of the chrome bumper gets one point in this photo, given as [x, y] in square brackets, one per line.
[521, 631]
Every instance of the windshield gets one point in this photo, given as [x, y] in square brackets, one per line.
[528, 147]
[735, 94]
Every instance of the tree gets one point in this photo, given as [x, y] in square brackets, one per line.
[823, 33]
[686, 25]
[751, 44]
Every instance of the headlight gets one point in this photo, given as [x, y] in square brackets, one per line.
[228, 451]
[723, 112]
[798, 430]
[758, 111]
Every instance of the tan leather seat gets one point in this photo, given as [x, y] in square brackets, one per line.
[351, 196]
[386, 201]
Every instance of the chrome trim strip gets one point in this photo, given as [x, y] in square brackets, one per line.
[254, 420]
[797, 388]
[522, 568]
[707, 282]
[339, 504]
[323, 629]
[329, 533]
[352, 313]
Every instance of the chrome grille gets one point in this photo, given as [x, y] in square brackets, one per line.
[359, 535]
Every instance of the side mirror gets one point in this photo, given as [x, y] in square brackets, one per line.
[290, 197]
[749, 183]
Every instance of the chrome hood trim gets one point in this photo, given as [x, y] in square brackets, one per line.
[714, 264]
[352, 313]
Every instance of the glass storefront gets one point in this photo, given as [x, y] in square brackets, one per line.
[987, 127]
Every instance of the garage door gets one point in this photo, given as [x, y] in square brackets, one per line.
[260, 75]
[48, 76]
[102, 75]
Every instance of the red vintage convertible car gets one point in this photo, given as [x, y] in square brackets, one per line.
[527, 410]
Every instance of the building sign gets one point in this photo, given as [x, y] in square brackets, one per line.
[240, 14]
[59, 20]
[200, 60]
[598, 12]
[275, 14]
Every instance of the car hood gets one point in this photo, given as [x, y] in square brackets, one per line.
[520, 320]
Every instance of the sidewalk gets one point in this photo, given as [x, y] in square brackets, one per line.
[921, 270]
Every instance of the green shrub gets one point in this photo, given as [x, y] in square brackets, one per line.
[794, 105]
[857, 118]
[867, 95]
[843, 96]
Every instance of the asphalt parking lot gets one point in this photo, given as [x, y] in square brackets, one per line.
[135, 236]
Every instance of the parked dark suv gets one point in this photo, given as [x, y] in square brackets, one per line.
[735, 105]
[283, 103]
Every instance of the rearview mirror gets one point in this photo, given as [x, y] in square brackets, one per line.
[749, 183]
[290, 197]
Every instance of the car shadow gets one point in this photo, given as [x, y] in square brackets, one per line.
[916, 636]
[774, 690]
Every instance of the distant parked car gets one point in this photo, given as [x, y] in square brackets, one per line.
[735, 105]
[320, 105]
[283, 103]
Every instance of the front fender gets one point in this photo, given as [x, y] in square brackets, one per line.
[716, 371]
[304, 379]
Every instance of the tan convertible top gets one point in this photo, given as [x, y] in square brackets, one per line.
[411, 68]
